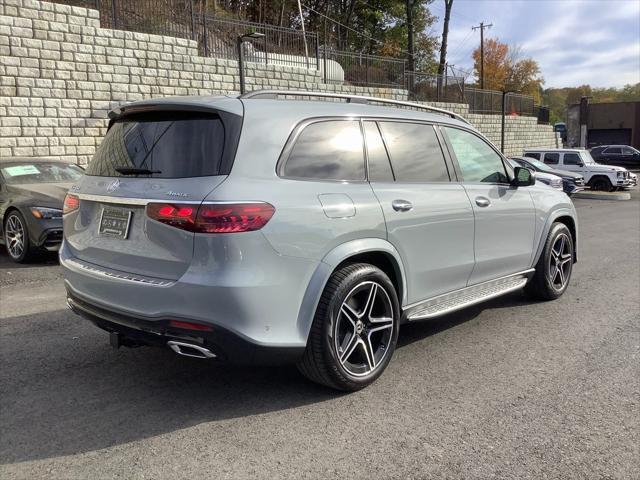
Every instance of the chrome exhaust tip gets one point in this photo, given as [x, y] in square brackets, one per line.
[190, 350]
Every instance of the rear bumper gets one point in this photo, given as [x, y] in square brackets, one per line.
[242, 287]
[225, 345]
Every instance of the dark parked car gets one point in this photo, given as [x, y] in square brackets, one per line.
[32, 192]
[619, 155]
[571, 182]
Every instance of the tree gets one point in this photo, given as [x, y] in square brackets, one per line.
[445, 34]
[505, 69]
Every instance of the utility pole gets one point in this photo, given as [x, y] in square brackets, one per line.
[481, 27]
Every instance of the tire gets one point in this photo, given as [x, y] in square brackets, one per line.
[602, 184]
[16, 237]
[549, 282]
[345, 349]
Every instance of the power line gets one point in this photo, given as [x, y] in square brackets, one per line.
[349, 28]
[458, 48]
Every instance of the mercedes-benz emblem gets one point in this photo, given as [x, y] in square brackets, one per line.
[113, 185]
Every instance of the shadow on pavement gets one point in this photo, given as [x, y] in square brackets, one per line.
[64, 391]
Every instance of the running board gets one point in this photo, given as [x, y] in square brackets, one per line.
[466, 297]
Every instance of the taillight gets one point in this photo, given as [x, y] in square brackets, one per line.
[71, 203]
[212, 218]
[177, 215]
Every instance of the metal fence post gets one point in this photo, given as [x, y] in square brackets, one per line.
[205, 36]
[114, 13]
[324, 59]
[317, 52]
[194, 34]
[266, 48]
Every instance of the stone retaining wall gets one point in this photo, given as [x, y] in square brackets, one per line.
[60, 73]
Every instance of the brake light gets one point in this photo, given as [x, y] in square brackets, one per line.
[212, 218]
[71, 203]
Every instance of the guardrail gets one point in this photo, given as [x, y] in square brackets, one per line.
[490, 102]
[361, 69]
[439, 88]
[217, 37]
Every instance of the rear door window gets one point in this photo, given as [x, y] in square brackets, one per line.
[327, 150]
[551, 158]
[415, 152]
[613, 151]
[174, 145]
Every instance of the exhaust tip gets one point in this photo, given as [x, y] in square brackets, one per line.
[190, 350]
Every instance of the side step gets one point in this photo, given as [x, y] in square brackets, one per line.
[465, 297]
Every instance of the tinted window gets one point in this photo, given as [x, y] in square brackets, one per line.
[415, 152]
[177, 145]
[614, 150]
[331, 150]
[532, 155]
[551, 158]
[571, 159]
[627, 151]
[40, 172]
[379, 166]
[478, 161]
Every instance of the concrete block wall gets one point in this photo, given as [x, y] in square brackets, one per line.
[60, 73]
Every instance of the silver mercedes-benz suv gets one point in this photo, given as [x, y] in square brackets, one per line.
[301, 227]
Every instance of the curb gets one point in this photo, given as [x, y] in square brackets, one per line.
[603, 195]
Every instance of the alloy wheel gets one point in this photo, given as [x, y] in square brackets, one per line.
[364, 328]
[560, 261]
[14, 236]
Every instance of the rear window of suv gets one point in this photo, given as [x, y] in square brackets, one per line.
[173, 144]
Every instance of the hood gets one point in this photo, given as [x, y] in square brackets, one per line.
[42, 194]
[546, 176]
[604, 168]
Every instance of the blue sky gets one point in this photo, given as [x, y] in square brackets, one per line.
[575, 42]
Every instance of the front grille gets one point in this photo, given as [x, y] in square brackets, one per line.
[54, 237]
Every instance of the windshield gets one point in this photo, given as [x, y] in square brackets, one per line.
[538, 164]
[587, 158]
[18, 173]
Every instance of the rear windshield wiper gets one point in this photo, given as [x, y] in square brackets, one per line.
[136, 171]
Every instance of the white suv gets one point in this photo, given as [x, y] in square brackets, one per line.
[596, 176]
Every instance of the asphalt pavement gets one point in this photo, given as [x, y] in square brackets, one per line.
[507, 389]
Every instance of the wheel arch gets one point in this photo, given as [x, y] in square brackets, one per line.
[566, 217]
[376, 251]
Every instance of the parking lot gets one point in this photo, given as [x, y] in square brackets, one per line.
[510, 388]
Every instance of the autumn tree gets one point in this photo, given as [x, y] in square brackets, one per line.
[506, 69]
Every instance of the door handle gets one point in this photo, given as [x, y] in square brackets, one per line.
[482, 202]
[401, 205]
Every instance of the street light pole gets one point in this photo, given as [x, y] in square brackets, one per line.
[240, 41]
[504, 112]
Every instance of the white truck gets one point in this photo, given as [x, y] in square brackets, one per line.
[596, 176]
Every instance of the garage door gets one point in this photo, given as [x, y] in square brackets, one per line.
[619, 136]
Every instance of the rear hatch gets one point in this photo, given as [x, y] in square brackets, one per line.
[165, 156]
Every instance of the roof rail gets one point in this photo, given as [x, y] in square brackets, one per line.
[274, 94]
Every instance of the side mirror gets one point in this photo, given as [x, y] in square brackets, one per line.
[523, 177]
